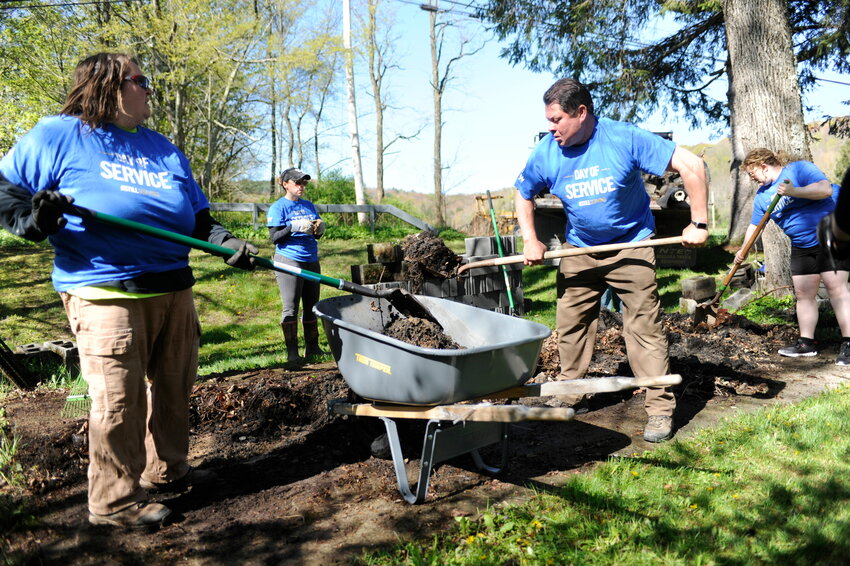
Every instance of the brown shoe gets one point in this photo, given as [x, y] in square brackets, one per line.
[141, 514]
[193, 477]
[658, 429]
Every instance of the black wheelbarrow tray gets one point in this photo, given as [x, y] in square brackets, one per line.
[448, 387]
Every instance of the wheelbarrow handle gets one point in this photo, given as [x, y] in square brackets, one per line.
[86, 214]
[569, 252]
[586, 386]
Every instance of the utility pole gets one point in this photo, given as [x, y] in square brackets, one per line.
[359, 191]
[437, 93]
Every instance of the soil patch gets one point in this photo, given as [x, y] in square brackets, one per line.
[298, 485]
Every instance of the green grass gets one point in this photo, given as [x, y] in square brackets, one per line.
[772, 487]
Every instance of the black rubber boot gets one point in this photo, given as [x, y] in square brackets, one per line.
[290, 338]
[311, 338]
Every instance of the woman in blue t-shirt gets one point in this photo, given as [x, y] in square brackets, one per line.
[807, 196]
[294, 226]
[128, 296]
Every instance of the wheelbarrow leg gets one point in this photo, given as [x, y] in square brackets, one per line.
[398, 462]
[442, 444]
[503, 463]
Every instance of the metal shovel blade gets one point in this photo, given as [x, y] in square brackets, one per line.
[707, 312]
[407, 304]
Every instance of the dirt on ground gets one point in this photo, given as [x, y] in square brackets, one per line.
[297, 484]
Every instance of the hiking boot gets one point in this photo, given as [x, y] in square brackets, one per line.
[141, 514]
[843, 358]
[192, 478]
[802, 348]
[658, 429]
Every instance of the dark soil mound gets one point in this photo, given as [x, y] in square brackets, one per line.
[428, 256]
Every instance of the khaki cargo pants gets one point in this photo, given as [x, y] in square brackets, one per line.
[140, 359]
[631, 274]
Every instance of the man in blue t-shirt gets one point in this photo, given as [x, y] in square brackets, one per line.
[593, 165]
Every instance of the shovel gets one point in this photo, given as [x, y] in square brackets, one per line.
[707, 312]
[401, 300]
[569, 252]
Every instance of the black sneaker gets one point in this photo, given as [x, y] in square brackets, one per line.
[800, 349]
[843, 358]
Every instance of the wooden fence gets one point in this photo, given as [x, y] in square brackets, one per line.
[257, 209]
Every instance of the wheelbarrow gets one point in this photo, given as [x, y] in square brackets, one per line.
[453, 390]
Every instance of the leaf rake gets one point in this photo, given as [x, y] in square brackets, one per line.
[78, 402]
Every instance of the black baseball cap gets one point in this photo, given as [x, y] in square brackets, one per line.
[294, 174]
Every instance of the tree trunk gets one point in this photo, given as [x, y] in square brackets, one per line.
[376, 78]
[766, 111]
[273, 134]
[438, 123]
[359, 191]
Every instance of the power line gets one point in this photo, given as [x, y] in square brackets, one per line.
[59, 4]
[831, 81]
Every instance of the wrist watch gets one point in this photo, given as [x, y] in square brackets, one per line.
[700, 225]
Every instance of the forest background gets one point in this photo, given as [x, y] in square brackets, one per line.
[246, 89]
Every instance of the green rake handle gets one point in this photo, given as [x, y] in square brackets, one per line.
[221, 251]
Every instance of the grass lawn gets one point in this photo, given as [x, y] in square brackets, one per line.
[772, 487]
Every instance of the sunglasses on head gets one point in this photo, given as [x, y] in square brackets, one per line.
[140, 80]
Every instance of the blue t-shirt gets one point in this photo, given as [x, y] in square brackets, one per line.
[138, 176]
[798, 217]
[599, 182]
[298, 246]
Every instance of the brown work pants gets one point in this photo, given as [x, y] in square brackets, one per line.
[137, 426]
[631, 275]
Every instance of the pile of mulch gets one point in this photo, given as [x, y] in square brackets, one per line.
[420, 332]
[428, 256]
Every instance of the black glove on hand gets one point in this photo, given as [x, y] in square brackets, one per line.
[47, 211]
[240, 259]
[837, 249]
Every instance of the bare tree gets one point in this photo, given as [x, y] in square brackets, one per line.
[325, 91]
[442, 73]
[359, 190]
[381, 52]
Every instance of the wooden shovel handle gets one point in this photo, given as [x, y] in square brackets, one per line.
[749, 243]
[585, 386]
[569, 252]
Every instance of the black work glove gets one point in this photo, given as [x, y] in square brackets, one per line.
[835, 248]
[47, 209]
[240, 259]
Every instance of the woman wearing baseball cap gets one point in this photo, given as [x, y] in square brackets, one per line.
[294, 228]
